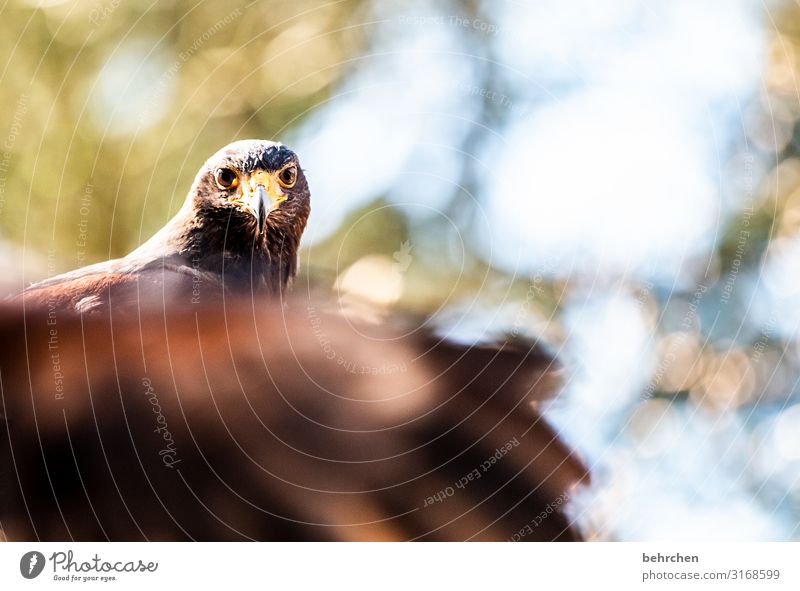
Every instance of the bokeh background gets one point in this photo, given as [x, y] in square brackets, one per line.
[620, 179]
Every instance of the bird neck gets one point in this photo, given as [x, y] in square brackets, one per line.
[226, 244]
[231, 247]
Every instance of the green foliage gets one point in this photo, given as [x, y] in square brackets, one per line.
[94, 154]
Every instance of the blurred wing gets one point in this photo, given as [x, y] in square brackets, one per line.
[255, 421]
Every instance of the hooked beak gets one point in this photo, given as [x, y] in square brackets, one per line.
[262, 194]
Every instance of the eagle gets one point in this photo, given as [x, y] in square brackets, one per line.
[239, 228]
[256, 417]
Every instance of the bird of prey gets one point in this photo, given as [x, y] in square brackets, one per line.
[239, 418]
[240, 226]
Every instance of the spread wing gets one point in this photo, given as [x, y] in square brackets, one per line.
[256, 421]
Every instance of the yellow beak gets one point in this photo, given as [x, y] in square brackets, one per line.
[261, 194]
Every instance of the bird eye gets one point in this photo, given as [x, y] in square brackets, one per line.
[288, 176]
[226, 178]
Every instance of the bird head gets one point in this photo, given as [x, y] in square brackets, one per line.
[257, 182]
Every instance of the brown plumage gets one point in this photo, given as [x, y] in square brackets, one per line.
[249, 420]
[240, 227]
[236, 418]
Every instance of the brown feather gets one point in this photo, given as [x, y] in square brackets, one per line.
[287, 424]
